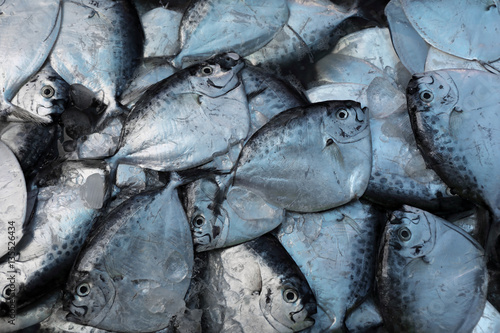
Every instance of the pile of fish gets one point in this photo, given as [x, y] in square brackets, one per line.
[250, 166]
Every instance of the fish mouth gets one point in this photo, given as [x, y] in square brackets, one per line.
[202, 239]
[76, 313]
[299, 321]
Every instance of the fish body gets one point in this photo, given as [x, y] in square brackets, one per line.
[336, 251]
[431, 277]
[68, 200]
[254, 287]
[13, 200]
[214, 26]
[161, 30]
[135, 269]
[187, 119]
[99, 45]
[310, 158]
[455, 119]
[221, 216]
[38, 24]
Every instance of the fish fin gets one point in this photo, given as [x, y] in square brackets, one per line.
[490, 67]
[15, 113]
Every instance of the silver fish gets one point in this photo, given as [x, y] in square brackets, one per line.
[410, 47]
[455, 118]
[214, 26]
[464, 28]
[99, 45]
[69, 197]
[46, 93]
[12, 200]
[254, 287]
[222, 215]
[336, 251]
[160, 131]
[135, 269]
[29, 31]
[431, 277]
[310, 158]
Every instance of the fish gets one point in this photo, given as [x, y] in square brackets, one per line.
[222, 215]
[431, 275]
[215, 26]
[161, 28]
[336, 252]
[454, 116]
[46, 93]
[208, 96]
[365, 318]
[469, 34]
[399, 172]
[309, 159]
[411, 48]
[254, 287]
[38, 24]
[68, 198]
[99, 45]
[29, 317]
[13, 200]
[338, 91]
[135, 269]
[267, 95]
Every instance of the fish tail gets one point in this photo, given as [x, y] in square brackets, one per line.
[15, 113]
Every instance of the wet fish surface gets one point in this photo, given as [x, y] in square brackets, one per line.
[68, 198]
[136, 266]
[336, 251]
[431, 277]
[254, 287]
[208, 96]
[309, 158]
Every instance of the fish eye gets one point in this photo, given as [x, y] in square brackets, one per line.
[207, 70]
[342, 114]
[83, 289]
[47, 91]
[450, 192]
[426, 96]
[7, 292]
[404, 234]
[290, 295]
[198, 221]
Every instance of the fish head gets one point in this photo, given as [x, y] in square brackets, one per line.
[287, 303]
[344, 122]
[45, 94]
[88, 296]
[206, 218]
[216, 76]
[432, 93]
[411, 232]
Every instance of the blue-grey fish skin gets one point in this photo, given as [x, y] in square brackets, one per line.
[221, 215]
[336, 251]
[454, 115]
[267, 96]
[431, 275]
[309, 159]
[99, 46]
[254, 287]
[135, 268]
[69, 197]
[29, 32]
[160, 133]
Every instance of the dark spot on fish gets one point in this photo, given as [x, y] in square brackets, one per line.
[268, 296]
[59, 252]
[441, 86]
[215, 231]
[67, 253]
[383, 180]
[55, 247]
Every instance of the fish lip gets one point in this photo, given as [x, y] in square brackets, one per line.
[76, 312]
[199, 240]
